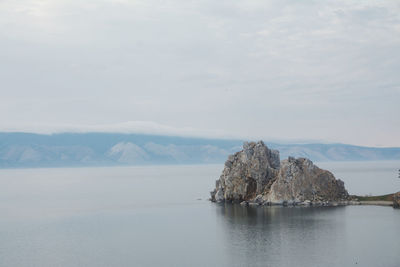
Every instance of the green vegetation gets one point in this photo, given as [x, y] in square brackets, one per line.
[388, 197]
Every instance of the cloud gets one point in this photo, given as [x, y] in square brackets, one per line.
[138, 127]
[274, 69]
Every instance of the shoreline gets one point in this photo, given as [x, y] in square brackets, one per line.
[377, 203]
[384, 203]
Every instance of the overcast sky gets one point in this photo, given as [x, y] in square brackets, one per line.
[279, 70]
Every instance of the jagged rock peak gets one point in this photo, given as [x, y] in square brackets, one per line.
[255, 174]
[258, 151]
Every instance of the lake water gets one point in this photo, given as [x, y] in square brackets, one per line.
[160, 216]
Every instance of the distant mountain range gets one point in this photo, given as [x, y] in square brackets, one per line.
[23, 150]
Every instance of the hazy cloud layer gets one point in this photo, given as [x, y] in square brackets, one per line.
[273, 69]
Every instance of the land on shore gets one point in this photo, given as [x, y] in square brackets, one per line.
[382, 200]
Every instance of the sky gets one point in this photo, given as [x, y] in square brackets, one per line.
[326, 71]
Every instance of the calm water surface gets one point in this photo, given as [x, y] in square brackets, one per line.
[160, 216]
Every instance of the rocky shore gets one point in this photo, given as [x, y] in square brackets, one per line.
[309, 203]
[256, 176]
[396, 200]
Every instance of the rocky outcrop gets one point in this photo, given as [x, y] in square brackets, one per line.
[396, 200]
[247, 173]
[300, 180]
[255, 175]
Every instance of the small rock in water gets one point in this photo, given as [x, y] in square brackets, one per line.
[244, 203]
[259, 199]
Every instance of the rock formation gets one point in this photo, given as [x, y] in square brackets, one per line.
[247, 173]
[396, 200]
[255, 175]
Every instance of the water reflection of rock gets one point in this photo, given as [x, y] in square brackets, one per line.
[264, 236]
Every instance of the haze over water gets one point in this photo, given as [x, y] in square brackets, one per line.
[160, 216]
[110, 82]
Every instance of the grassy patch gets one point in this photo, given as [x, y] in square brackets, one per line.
[388, 197]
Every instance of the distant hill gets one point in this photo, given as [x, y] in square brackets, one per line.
[23, 150]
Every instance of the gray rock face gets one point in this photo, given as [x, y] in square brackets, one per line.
[256, 174]
[396, 200]
[247, 173]
[300, 180]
